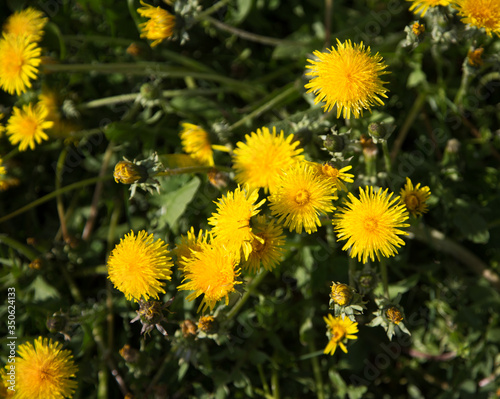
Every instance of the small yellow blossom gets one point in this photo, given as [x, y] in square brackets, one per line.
[196, 142]
[137, 264]
[371, 224]
[27, 126]
[415, 198]
[207, 324]
[127, 172]
[26, 23]
[349, 77]
[418, 28]
[474, 57]
[19, 61]
[44, 370]
[335, 176]
[159, 26]
[340, 330]
[394, 315]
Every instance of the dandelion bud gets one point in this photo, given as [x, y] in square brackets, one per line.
[56, 323]
[149, 92]
[378, 130]
[207, 324]
[128, 172]
[188, 328]
[474, 57]
[418, 28]
[394, 315]
[334, 143]
[129, 354]
[341, 294]
[366, 281]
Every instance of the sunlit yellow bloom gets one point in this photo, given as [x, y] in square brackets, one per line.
[28, 22]
[189, 244]
[348, 77]
[211, 272]
[160, 25]
[340, 330]
[267, 249]
[231, 222]
[371, 224]
[19, 61]
[421, 6]
[44, 371]
[127, 172]
[415, 198]
[261, 159]
[481, 14]
[27, 126]
[196, 142]
[300, 197]
[62, 127]
[335, 176]
[137, 264]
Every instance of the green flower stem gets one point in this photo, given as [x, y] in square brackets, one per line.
[270, 41]
[410, 118]
[440, 242]
[53, 194]
[352, 270]
[289, 91]
[318, 378]
[387, 157]
[190, 169]
[152, 68]
[464, 85]
[251, 288]
[275, 383]
[11, 154]
[23, 249]
[211, 10]
[123, 98]
[59, 200]
[265, 386]
[383, 273]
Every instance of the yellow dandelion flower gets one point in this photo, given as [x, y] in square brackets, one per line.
[19, 61]
[137, 264]
[28, 22]
[481, 14]
[301, 195]
[267, 248]
[210, 272]
[340, 330]
[44, 370]
[27, 126]
[348, 77]
[207, 324]
[394, 315]
[160, 25]
[415, 198]
[333, 175]
[232, 220]
[62, 127]
[372, 224]
[261, 159]
[189, 244]
[196, 142]
[421, 6]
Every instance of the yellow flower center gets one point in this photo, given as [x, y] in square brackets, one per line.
[259, 246]
[338, 333]
[330, 171]
[302, 197]
[412, 202]
[371, 224]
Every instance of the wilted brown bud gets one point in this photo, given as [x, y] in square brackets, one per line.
[188, 328]
[129, 354]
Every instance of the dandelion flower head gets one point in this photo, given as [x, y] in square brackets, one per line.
[137, 264]
[44, 370]
[340, 330]
[415, 198]
[160, 24]
[27, 126]
[19, 61]
[196, 142]
[261, 159]
[267, 248]
[371, 224]
[28, 22]
[421, 6]
[349, 77]
[300, 197]
[212, 272]
[190, 243]
[335, 176]
[231, 222]
[481, 14]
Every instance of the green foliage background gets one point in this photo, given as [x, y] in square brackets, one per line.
[231, 84]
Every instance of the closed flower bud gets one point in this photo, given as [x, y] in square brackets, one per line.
[188, 328]
[341, 294]
[56, 323]
[377, 130]
[334, 143]
[128, 172]
[394, 315]
[207, 324]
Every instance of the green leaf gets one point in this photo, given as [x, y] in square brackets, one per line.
[43, 290]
